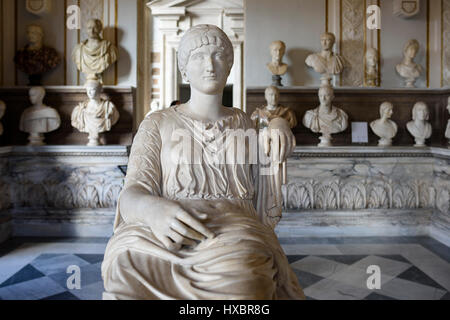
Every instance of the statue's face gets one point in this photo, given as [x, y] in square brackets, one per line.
[92, 29]
[207, 69]
[272, 97]
[277, 52]
[422, 114]
[34, 35]
[93, 92]
[411, 52]
[327, 42]
[36, 96]
[388, 112]
[325, 97]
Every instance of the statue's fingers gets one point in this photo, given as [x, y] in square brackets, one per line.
[200, 215]
[194, 224]
[167, 243]
[185, 231]
[181, 240]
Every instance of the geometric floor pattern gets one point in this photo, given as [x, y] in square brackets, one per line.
[334, 270]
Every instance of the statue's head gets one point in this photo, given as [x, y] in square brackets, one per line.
[272, 95]
[93, 28]
[411, 48]
[277, 50]
[37, 95]
[327, 40]
[326, 95]
[93, 88]
[35, 34]
[205, 58]
[420, 111]
[386, 110]
[371, 56]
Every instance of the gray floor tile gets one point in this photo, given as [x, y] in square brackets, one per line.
[58, 264]
[318, 266]
[31, 290]
[406, 290]
[329, 289]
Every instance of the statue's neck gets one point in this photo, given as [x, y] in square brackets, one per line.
[276, 62]
[326, 53]
[202, 104]
[325, 108]
[35, 46]
[272, 107]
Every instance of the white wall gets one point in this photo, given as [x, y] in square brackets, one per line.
[299, 23]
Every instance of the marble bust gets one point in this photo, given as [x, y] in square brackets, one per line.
[262, 116]
[39, 118]
[326, 62]
[94, 55]
[447, 132]
[35, 58]
[2, 113]
[326, 119]
[408, 69]
[420, 128]
[197, 229]
[371, 68]
[96, 114]
[385, 128]
[277, 51]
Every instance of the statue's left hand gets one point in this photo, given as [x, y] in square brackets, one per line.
[279, 142]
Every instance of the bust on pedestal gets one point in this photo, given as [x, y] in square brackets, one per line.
[326, 119]
[95, 115]
[38, 119]
[385, 128]
[277, 67]
[326, 62]
[94, 55]
[420, 128]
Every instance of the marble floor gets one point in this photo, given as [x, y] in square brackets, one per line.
[415, 268]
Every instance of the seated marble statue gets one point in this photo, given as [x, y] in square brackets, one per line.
[420, 128]
[35, 58]
[188, 227]
[2, 113]
[95, 115]
[326, 119]
[408, 69]
[262, 116]
[277, 51]
[326, 62]
[94, 55]
[385, 128]
[39, 118]
[447, 132]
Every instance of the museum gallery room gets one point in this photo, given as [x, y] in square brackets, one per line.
[224, 150]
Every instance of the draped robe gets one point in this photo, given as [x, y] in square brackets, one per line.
[243, 261]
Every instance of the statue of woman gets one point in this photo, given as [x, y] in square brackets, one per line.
[326, 62]
[94, 55]
[385, 128]
[420, 128]
[2, 113]
[35, 58]
[326, 118]
[95, 115]
[408, 69]
[187, 226]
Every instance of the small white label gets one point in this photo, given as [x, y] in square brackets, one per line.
[360, 132]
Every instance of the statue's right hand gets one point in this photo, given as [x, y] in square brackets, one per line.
[175, 227]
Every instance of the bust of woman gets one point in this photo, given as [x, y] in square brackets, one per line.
[2, 113]
[420, 128]
[188, 226]
[94, 55]
[408, 69]
[35, 58]
[385, 128]
[326, 118]
[95, 115]
[39, 118]
[326, 62]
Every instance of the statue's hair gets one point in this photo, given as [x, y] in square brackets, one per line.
[327, 88]
[202, 35]
[273, 88]
[420, 105]
[90, 83]
[36, 26]
[38, 89]
[278, 43]
[412, 42]
[328, 34]
[98, 23]
[384, 107]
